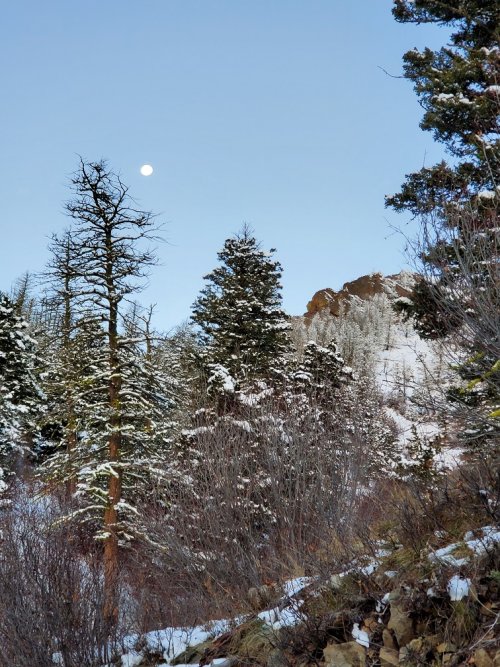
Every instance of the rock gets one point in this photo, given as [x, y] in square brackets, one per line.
[417, 645]
[261, 597]
[433, 640]
[350, 654]
[482, 658]
[446, 647]
[370, 623]
[388, 657]
[388, 639]
[409, 657]
[365, 287]
[399, 621]
[420, 651]
[405, 656]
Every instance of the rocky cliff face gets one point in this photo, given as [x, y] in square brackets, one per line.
[365, 287]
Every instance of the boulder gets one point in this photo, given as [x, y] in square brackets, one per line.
[446, 647]
[389, 657]
[350, 654]
[399, 622]
[482, 658]
[388, 639]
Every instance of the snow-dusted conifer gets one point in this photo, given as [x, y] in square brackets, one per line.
[20, 395]
[459, 203]
[239, 311]
[113, 401]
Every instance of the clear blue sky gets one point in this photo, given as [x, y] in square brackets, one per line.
[271, 112]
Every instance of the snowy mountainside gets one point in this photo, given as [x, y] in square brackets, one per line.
[375, 340]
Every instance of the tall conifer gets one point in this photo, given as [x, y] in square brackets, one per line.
[239, 310]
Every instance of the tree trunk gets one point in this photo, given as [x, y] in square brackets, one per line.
[71, 437]
[111, 554]
[111, 560]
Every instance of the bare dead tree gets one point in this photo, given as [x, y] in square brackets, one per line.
[101, 262]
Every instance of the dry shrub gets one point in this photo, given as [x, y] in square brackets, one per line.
[51, 595]
[419, 511]
[268, 497]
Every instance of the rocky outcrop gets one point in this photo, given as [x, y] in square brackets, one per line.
[424, 619]
[399, 622]
[365, 287]
[349, 654]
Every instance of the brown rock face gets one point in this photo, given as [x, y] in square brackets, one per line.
[482, 659]
[350, 654]
[399, 621]
[363, 288]
[388, 657]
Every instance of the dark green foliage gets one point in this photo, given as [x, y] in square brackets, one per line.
[458, 88]
[321, 371]
[20, 396]
[239, 311]
[430, 320]
[458, 203]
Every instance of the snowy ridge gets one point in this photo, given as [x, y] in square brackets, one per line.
[375, 340]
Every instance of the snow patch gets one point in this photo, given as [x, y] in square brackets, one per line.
[458, 588]
[360, 636]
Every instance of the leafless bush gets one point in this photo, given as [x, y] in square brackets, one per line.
[267, 493]
[51, 591]
[460, 300]
[419, 508]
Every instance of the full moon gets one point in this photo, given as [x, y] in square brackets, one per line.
[146, 170]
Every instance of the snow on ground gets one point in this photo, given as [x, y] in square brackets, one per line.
[171, 642]
[445, 555]
[360, 636]
[458, 588]
[294, 586]
[409, 427]
[407, 366]
[405, 360]
[278, 618]
[478, 542]
[449, 458]
[488, 537]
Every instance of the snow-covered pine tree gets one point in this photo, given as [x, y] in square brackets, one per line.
[239, 311]
[347, 411]
[20, 395]
[63, 353]
[243, 339]
[458, 203]
[272, 475]
[115, 401]
[320, 371]
[458, 87]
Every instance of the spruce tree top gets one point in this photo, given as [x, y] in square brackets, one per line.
[17, 355]
[459, 88]
[19, 392]
[239, 310]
